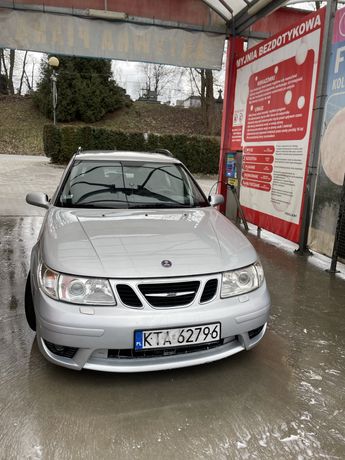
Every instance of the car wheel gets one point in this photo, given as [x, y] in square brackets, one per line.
[29, 305]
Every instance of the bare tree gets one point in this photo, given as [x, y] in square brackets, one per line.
[23, 73]
[117, 73]
[4, 65]
[12, 61]
[18, 71]
[8, 62]
[158, 77]
[31, 64]
[32, 77]
[203, 81]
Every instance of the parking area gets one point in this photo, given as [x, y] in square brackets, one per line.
[284, 399]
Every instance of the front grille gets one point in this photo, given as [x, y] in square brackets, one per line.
[170, 294]
[61, 350]
[254, 332]
[128, 296]
[155, 353]
[210, 290]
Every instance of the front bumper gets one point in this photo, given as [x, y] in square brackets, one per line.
[95, 331]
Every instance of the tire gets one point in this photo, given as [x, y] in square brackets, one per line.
[29, 305]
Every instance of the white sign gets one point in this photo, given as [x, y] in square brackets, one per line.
[74, 36]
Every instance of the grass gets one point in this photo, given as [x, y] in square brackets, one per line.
[21, 124]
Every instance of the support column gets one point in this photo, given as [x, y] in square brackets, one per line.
[235, 45]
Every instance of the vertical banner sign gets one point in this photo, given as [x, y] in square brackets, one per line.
[332, 149]
[275, 92]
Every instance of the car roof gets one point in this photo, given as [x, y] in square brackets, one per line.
[119, 155]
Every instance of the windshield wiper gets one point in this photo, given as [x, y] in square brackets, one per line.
[96, 204]
[157, 205]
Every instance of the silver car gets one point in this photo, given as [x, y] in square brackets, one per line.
[136, 270]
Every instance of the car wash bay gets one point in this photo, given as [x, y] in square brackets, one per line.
[284, 399]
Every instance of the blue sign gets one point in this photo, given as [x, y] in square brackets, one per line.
[138, 338]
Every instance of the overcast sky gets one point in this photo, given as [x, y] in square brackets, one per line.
[128, 75]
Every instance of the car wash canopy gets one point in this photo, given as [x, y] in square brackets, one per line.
[189, 33]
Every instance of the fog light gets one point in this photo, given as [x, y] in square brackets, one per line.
[61, 350]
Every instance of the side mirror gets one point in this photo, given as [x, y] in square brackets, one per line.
[38, 199]
[216, 200]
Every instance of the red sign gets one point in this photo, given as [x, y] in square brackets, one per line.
[278, 102]
[273, 109]
[236, 138]
[257, 176]
[258, 159]
[258, 185]
[257, 167]
[260, 149]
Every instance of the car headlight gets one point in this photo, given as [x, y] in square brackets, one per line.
[75, 289]
[237, 282]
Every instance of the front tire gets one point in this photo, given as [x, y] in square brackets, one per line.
[29, 305]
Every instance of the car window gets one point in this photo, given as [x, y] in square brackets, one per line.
[129, 184]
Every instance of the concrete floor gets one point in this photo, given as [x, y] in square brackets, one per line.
[285, 399]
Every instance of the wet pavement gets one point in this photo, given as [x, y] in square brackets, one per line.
[284, 399]
[21, 174]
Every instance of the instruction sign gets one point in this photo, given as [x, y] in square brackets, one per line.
[275, 91]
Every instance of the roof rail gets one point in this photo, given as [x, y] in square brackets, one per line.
[164, 152]
[80, 150]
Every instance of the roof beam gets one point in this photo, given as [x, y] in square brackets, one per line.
[107, 15]
[254, 12]
[218, 11]
[255, 35]
[227, 7]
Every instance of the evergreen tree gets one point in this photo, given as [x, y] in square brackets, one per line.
[86, 90]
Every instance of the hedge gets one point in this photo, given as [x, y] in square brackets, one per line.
[199, 153]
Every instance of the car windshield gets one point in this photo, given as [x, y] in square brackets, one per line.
[129, 184]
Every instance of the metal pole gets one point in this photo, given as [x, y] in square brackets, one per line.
[235, 45]
[321, 96]
[54, 93]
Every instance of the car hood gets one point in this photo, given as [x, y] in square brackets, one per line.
[133, 243]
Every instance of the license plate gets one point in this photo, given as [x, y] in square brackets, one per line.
[177, 337]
